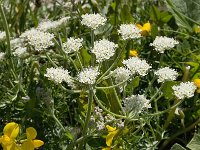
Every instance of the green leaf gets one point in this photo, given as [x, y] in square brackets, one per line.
[177, 147]
[154, 13]
[167, 89]
[165, 17]
[136, 82]
[194, 144]
[126, 16]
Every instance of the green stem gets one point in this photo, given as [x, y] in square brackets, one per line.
[48, 57]
[77, 55]
[88, 114]
[92, 45]
[106, 110]
[6, 28]
[114, 63]
[58, 122]
[171, 115]
[158, 91]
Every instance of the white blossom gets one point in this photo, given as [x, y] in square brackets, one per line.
[15, 43]
[88, 75]
[136, 65]
[58, 75]
[162, 43]
[38, 39]
[166, 74]
[136, 103]
[121, 74]
[20, 51]
[2, 36]
[104, 49]
[72, 45]
[129, 31]
[49, 25]
[184, 90]
[2, 56]
[93, 21]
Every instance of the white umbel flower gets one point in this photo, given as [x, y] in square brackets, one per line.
[93, 21]
[2, 36]
[49, 25]
[72, 45]
[103, 50]
[121, 74]
[38, 39]
[58, 75]
[88, 75]
[136, 103]
[136, 65]
[166, 74]
[184, 90]
[129, 31]
[162, 43]
[2, 56]
[15, 43]
[20, 51]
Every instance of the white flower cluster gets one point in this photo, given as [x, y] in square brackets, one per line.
[72, 45]
[20, 51]
[162, 43]
[136, 65]
[58, 75]
[88, 75]
[121, 74]
[93, 21]
[52, 25]
[2, 56]
[129, 31]
[38, 39]
[100, 121]
[104, 49]
[16, 43]
[2, 36]
[166, 74]
[136, 103]
[184, 90]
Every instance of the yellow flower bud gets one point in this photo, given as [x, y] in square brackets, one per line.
[133, 53]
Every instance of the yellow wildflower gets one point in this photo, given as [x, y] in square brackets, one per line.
[10, 131]
[146, 28]
[133, 53]
[197, 29]
[31, 143]
[112, 131]
[197, 83]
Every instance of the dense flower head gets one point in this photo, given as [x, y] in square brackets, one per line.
[2, 55]
[88, 75]
[166, 74]
[121, 74]
[2, 36]
[20, 51]
[49, 25]
[72, 45]
[184, 90]
[93, 21]
[58, 75]
[38, 39]
[129, 31]
[16, 42]
[103, 50]
[162, 43]
[136, 103]
[136, 65]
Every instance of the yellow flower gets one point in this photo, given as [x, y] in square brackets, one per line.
[197, 83]
[111, 133]
[146, 28]
[197, 29]
[133, 53]
[10, 131]
[31, 143]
